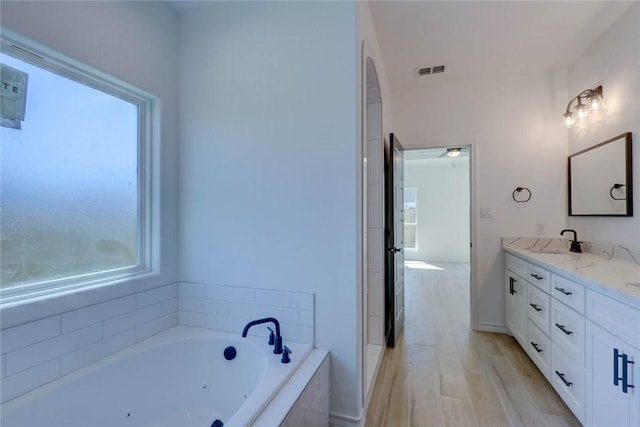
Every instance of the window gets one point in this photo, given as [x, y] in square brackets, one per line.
[410, 218]
[72, 175]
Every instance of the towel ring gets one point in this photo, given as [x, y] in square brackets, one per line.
[615, 187]
[518, 190]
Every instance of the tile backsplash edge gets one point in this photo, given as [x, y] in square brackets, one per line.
[228, 309]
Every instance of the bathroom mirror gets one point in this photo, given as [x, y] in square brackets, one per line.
[600, 179]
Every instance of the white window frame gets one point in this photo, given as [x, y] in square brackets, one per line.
[415, 224]
[14, 45]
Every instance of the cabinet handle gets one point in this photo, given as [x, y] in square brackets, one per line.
[625, 372]
[563, 290]
[512, 289]
[535, 276]
[561, 375]
[616, 355]
[534, 345]
[535, 307]
[563, 329]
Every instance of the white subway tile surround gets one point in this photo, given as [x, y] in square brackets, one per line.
[229, 309]
[35, 353]
[38, 352]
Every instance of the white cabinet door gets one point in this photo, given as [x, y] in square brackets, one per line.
[516, 307]
[613, 385]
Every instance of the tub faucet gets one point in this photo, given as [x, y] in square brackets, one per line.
[575, 245]
[277, 344]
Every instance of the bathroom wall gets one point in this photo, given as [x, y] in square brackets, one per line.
[135, 42]
[613, 61]
[374, 230]
[379, 109]
[514, 123]
[443, 208]
[268, 113]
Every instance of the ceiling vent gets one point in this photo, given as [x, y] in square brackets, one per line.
[427, 71]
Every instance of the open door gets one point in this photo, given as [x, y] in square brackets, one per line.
[394, 241]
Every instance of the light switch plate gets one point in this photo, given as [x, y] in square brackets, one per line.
[486, 212]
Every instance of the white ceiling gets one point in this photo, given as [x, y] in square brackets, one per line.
[478, 39]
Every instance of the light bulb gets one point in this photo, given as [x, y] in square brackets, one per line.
[582, 111]
[596, 103]
[569, 120]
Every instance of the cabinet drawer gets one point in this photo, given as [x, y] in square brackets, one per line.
[569, 292]
[568, 331]
[569, 381]
[539, 277]
[618, 318]
[538, 308]
[539, 348]
[517, 265]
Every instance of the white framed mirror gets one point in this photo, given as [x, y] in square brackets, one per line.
[600, 179]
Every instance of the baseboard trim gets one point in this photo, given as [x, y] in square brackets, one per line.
[341, 420]
[492, 327]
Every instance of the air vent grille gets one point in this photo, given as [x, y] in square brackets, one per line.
[427, 71]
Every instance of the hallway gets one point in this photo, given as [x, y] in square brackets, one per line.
[443, 374]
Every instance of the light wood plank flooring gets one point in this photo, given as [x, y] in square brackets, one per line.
[443, 374]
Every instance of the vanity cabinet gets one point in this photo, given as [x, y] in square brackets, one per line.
[538, 303]
[613, 362]
[584, 340]
[554, 327]
[516, 298]
[568, 372]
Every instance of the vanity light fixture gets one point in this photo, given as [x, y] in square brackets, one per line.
[588, 101]
[453, 152]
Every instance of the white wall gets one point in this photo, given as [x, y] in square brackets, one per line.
[614, 62]
[367, 34]
[377, 127]
[515, 125]
[443, 208]
[372, 148]
[135, 42]
[268, 185]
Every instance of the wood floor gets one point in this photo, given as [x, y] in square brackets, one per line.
[443, 374]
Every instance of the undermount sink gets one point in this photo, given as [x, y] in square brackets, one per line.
[548, 250]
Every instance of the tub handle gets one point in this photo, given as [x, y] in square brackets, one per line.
[285, 355]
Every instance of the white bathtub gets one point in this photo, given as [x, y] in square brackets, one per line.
[178, 378]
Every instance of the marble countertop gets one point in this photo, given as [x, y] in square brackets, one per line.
[617, 278]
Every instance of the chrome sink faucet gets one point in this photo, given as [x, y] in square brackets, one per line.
[575, 245]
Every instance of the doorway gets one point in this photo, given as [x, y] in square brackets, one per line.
[438, 195]
[437, 215]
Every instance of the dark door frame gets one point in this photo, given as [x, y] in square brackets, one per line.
[391, 242]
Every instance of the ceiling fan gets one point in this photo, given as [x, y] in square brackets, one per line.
[455, 152]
